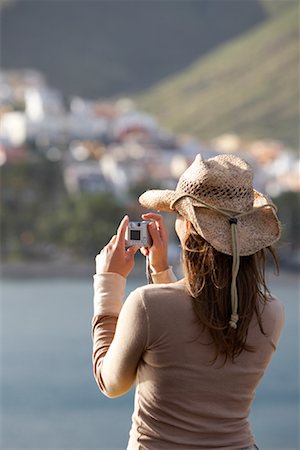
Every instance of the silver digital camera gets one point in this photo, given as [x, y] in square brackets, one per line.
[137, 234]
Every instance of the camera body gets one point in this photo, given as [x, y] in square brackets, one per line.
[137, 234]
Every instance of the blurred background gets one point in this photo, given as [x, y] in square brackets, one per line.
[99, 101]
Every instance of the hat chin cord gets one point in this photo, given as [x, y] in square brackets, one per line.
[234, 272]
[233, 221]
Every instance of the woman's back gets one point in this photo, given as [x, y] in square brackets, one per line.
[184, 400]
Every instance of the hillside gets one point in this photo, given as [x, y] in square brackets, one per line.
[104, 48]
[249, 86]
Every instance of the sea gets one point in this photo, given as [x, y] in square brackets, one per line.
[49, 399]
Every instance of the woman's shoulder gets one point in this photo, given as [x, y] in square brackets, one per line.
[274, 308]
[164, 293]
[273, 319]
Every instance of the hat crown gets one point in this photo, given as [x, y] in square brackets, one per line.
[224, 181]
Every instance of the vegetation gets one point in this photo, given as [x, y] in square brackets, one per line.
[249, 86]
[273, 7]
[289, 214]
[38, 218]
[81, 224]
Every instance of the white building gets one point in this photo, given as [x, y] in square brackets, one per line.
[14, 128]
[133, 122]
[41, 103]
[85, 126]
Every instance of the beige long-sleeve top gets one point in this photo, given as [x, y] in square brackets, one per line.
[182, 401]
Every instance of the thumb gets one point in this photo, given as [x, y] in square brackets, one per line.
[131, 251]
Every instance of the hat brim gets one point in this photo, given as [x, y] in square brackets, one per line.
[157, 199]
[257, 230]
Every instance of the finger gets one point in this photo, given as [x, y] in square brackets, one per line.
[131, 251]
[144, 251]
[160, 223]
[151, 216]
[120, 240]
[154, 233]
[113, 239]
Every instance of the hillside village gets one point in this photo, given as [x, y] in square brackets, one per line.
[111, 146]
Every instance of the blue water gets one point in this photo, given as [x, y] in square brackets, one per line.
[49, 399]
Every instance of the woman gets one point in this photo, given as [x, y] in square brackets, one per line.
[196, 348]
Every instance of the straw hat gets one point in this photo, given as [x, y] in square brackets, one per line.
[213, 195]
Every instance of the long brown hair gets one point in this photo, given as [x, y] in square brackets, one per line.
[208, 276]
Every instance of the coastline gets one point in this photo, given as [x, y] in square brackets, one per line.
[53, 269]
[80, 269]
[49, 269]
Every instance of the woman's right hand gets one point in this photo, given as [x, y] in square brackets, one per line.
[158, 252]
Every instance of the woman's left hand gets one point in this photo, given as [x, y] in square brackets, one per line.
[114, 257]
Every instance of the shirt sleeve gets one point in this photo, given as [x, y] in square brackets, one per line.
[166, 276]
[119, 334]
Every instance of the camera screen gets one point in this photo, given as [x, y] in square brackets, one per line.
[135, 235]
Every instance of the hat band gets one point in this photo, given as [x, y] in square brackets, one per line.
[233, 217]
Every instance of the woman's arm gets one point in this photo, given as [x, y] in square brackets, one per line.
[119, 335]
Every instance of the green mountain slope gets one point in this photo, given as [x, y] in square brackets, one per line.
[104, 48]
[249, 86]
